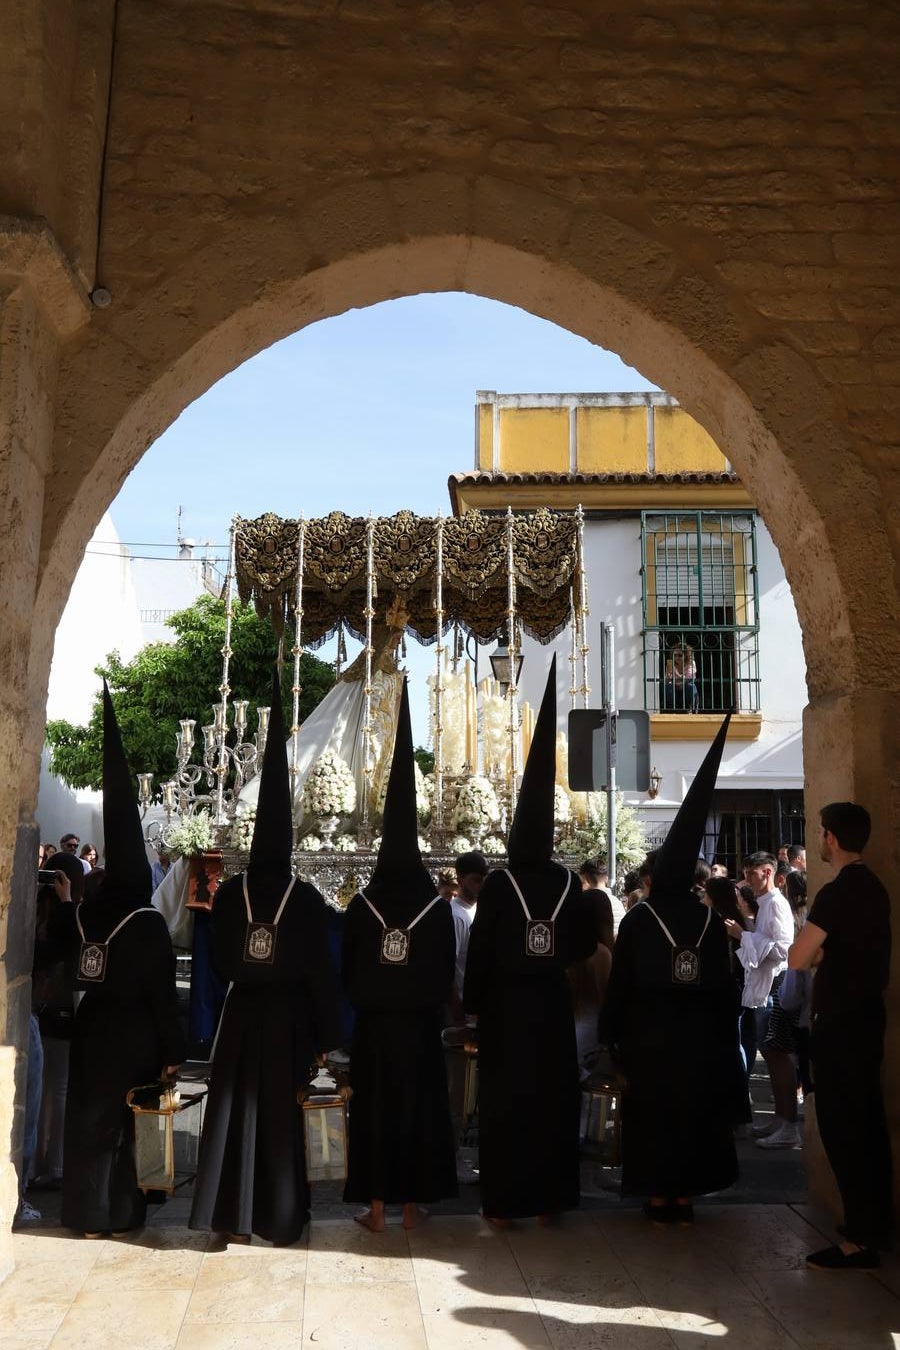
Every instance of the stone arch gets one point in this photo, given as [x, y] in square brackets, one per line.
[134, 367]
[610, 281]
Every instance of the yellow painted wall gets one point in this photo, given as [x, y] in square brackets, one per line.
[612, 440]
[534, 440]
[682, 446]
[608, 440]
[485, 436]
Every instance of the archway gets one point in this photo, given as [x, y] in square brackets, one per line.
[759, 399]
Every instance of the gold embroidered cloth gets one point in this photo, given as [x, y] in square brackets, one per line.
[404, 556]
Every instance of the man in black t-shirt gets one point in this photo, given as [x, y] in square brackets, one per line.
[847, 938]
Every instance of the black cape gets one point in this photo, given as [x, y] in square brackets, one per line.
[401, 1137]
[252, 1170]
[679, 1051]
[126, 1030]
[529, 1094]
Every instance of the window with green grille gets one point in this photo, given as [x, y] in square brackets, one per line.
[701, 611]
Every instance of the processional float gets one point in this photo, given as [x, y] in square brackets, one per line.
[481, 576]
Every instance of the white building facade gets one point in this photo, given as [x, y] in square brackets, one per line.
[117, 603]
[683, 567]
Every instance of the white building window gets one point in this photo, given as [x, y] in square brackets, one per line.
[701, 612]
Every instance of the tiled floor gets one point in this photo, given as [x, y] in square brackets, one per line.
[604, 1279]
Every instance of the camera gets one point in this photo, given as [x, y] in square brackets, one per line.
[46, 876]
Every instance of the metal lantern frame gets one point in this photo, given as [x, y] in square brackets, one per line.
[326, 1149]
[154, 1128]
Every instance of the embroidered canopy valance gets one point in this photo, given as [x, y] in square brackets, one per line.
[338, 558]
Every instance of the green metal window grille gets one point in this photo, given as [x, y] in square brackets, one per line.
[701, 611]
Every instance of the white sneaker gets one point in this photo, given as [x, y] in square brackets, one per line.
[788, 1136]
[769, 1126]
[28, 1214]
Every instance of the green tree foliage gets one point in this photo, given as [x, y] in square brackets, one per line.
[169, 681]
[424, 758]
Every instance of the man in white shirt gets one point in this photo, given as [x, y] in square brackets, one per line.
[471, 870]
[595, 877]
[763, 954]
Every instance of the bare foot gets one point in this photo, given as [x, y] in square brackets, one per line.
[372, 1218]
[497, 1223]
[413, 1215]
[548, 1220]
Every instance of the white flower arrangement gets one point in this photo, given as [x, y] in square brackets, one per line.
[344, 843]
[424, 846]
[242, 830]
[631, 839]
[476, 806]
[329, 790]
[424, 794]
[460, 844]
[310, 843]
[493, 846]
[191, 836]
[562, 805]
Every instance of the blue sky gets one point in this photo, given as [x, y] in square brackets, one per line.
[369, 411]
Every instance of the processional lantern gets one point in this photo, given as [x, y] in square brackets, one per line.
[461, 1045]
[325, 1127]
[167, 1126]
[502, 665]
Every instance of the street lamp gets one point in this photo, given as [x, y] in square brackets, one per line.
[501, 664]
[654, 783]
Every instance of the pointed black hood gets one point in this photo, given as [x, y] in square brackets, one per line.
[126, 877]
[273, 833]
[530, 841]
[399, 868]
[673, 871]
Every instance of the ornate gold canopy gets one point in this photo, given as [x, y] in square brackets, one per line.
[475, 554]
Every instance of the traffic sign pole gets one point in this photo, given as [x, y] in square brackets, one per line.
[608, 658]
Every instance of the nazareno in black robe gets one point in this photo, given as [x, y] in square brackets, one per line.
[401, 1137]
[126, 1030]
[252, 1169]
[529, 1093]
[678, 1049]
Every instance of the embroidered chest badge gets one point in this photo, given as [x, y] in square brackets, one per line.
[395, 947]
[685, 960]
[92, 962]
[685, 966]
[540, 934]
[539, 937]
[260, 948]
[396, 942]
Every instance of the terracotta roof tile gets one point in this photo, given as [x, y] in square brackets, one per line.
[489, 476]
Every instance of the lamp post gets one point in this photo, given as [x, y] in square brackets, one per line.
[501, 664]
